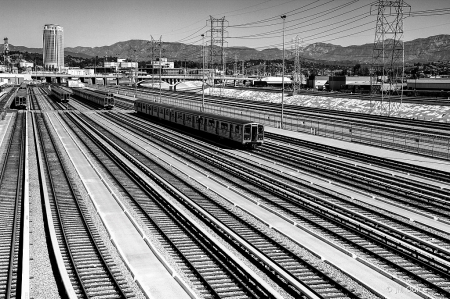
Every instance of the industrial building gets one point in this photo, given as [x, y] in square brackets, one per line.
[53, 46]
[157, 66]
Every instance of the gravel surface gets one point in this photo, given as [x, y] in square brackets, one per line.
[42, 280]
[111, 249]
[332, 271]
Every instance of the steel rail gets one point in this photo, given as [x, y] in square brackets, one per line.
[279, 276]
[16, 129]
[71, 189]
[256, 178]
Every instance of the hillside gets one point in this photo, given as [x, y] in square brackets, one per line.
[432, 48]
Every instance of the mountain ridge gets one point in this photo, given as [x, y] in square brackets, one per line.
[433, 48]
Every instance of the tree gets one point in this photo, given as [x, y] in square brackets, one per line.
[357, 69]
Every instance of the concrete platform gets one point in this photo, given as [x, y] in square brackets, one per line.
[381, 283]
[152, 276]
[423, 161]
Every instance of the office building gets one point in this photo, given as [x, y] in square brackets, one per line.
[53, 44]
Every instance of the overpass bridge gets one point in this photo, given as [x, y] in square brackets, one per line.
[113, 79]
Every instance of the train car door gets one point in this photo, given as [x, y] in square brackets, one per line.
[247, 132]
[254, 132]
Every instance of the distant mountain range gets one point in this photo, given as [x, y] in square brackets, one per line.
[432, 48]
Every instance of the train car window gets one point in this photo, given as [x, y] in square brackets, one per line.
[167, 111]
[260, 129]
[237, 129]
[211, 122]
[246, 129]
[224, 126]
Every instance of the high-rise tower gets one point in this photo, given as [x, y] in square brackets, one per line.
[53, 44]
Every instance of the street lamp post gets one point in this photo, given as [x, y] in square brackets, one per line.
[203, 73]
[282, 79]
[135, 74]
[160, 68]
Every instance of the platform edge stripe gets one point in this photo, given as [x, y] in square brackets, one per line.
[67, 285]
[25, 285]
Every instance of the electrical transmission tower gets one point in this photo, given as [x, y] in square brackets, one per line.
[297, 73]
[388, 54]
[217, 43]
[157, 47]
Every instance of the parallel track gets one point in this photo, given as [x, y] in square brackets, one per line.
[317, 208]
[93, 272]
[11, 197]
[424, 127]
[409, 193]
[214, 274]
[429, 173]
[302, 270]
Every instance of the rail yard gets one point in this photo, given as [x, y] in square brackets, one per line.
[135, 193]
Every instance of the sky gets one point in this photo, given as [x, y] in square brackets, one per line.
[250, 23]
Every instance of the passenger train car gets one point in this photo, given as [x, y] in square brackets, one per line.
[60, 94]
[21, 97]
[248, 134]
[105, 101]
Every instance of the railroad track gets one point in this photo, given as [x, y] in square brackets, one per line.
[11, 197]
[92, 271]
[34, 103]
[303, 271]
[424, 127]
[420, 137]
[419, 196]
[387, 163]
[397, 244]
[232, 282]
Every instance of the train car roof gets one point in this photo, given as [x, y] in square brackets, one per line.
[22, 93]
[207, 115]
[59, 90]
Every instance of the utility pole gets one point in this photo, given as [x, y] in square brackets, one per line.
[135, 75]
[160, 67]
[153, 64]
[297, 83]
[282, 79]
[235, 64]
[203, 73]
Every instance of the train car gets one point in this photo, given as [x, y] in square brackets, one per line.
[105, 101]
[247, 134]
[60, 94]
[21, 97]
